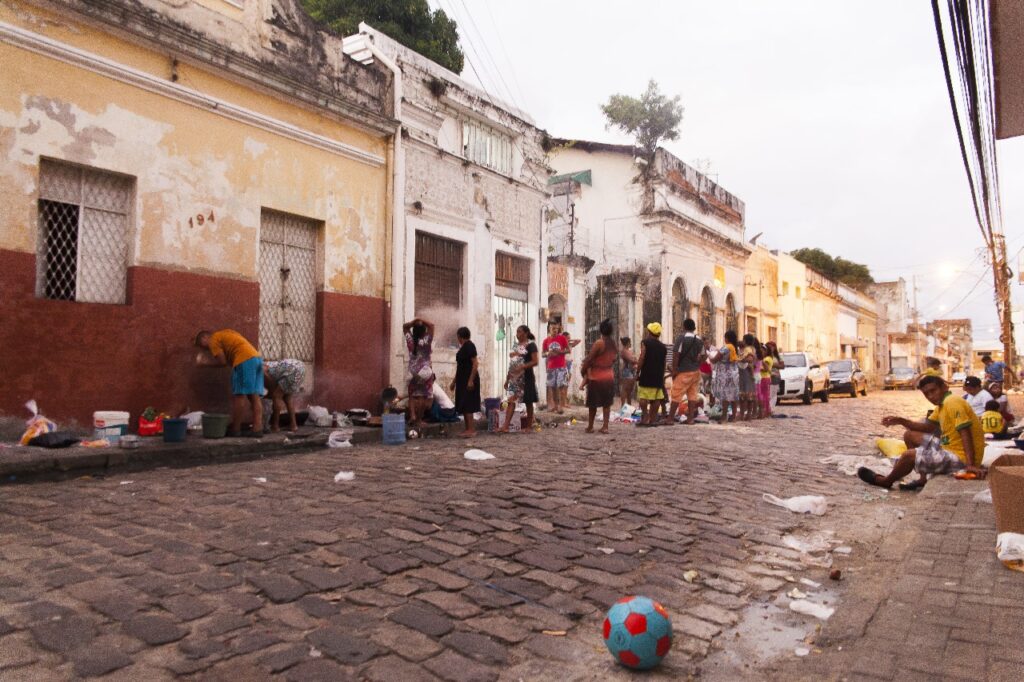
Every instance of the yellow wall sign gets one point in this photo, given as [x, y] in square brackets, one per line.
[719, 277]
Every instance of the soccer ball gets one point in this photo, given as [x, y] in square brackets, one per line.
[638, 632]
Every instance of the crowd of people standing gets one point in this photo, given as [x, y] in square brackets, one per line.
[673, 383]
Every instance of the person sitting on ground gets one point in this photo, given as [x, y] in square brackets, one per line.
[228, 347]
[992, 421]
[996, 389]
[950, 439]
[994, 371]
[283, 379]
[975, 395]
[651, 374]
[391, 401]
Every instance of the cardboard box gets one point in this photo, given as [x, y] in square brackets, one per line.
[1006, 480]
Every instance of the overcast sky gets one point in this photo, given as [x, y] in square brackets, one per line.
[829, 119]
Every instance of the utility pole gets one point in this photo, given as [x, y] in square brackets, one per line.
[917, 327]
[1001, 277]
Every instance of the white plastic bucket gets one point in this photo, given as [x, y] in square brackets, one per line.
[110, 425]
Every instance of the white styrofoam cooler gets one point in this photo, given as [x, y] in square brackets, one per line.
[110, 425]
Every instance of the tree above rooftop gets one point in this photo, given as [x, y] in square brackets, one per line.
[650, 118]
[411, 22]
[849, 273]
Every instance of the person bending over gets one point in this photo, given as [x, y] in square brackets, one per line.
[951, 439]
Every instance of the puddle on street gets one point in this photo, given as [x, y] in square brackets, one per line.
[767, 631]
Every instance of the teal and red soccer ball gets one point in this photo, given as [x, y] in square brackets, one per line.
[638, 632]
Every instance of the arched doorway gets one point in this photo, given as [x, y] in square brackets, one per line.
[731, 316]
[680, 306]
[707, 315]
[556, 309]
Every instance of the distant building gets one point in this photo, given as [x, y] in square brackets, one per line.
[637, 252]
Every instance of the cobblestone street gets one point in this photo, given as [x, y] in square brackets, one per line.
[428, 566]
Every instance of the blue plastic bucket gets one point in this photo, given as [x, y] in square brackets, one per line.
[175, 430]
[394, 428]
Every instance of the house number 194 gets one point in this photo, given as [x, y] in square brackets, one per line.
[199, 219]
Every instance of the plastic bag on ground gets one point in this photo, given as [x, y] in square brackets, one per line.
[809, 608]
[983, 496]
[340, 439]
[319, 415]
[36, 425]
[195, 420]
[477, 455]
[891, 447]
[344, 476]
[1010, 546]
[848, 464]
[802, 504]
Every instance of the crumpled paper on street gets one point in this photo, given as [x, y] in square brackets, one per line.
[809, 608]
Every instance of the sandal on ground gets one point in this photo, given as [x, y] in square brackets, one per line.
[869, 477]
[913, 485]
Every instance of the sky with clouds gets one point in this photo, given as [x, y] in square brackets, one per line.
[829, 119]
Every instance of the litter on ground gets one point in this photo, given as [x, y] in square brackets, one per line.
[260, 479]
[802, 504]
[477, 455]
[984, 496]
[344, 476]
[809, 608]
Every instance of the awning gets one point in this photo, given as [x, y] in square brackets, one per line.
[852, 342]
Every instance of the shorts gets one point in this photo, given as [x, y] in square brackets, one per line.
[247, 377]
[650, 393]
[685, 384]
[930, 458]
[558, 377]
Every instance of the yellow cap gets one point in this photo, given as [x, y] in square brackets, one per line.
[654, 328]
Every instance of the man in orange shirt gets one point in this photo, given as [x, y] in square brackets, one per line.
[228, 347]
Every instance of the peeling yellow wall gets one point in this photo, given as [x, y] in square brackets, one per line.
[187, 160]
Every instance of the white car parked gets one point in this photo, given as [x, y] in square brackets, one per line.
[803, 377]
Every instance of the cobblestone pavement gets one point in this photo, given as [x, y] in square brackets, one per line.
[428, 566]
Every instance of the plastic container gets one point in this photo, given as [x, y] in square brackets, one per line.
[110, 425]
[214, 425]
[129, 441]
[175, 430]
[491, 404]
[394, 429]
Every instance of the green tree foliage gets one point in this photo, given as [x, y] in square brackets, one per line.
[651, 118]
[411, 22]
[849, 273]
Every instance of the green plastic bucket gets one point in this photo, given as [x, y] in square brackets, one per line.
[215, 425]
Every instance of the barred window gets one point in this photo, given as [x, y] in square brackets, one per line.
[438, 272]
[487, 147]
[83, 233]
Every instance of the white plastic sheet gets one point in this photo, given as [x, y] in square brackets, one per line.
[802, 504]
[477, 455]
[984, 496]
[809, 608]
[344, 476]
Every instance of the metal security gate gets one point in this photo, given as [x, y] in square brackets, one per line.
[288, 288]
[509, 313]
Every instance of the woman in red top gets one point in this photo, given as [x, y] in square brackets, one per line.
[597, 368]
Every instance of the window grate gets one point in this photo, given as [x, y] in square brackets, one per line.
[83, 229]
[438, 272]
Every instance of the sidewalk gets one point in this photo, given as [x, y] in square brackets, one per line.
[18, 463]
[942, 606]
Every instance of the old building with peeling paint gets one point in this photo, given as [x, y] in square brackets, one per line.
[175, 166]
[470, 183]
[636, 251]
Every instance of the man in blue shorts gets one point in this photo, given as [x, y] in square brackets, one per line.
[226, 347]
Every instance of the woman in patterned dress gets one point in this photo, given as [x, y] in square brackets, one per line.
[283, 379]
[725, 382]
[419, 337]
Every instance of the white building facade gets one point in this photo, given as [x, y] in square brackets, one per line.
[635, 252]
[470, 188]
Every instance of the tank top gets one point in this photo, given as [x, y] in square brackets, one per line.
[652, 374]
